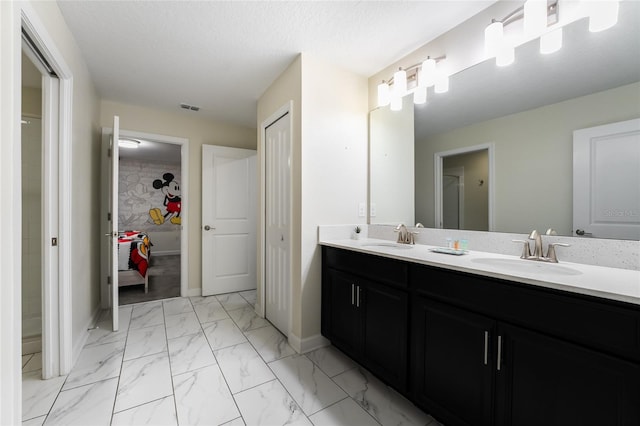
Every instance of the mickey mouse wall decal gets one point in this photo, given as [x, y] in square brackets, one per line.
[172, 201]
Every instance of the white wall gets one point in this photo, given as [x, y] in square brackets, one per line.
[199, 131]
[329, 171]
[533, 150]
[334, 167]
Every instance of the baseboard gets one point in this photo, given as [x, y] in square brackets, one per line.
[165, 253]
[193, 292]
[307, 344]
[31, 345]
[82, 340]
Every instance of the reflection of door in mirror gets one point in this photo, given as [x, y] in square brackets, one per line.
[471, 201]
[453, 198]
[606, 181]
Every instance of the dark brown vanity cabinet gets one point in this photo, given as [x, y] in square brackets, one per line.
[475, 350]
[366, 314]
[476, 361]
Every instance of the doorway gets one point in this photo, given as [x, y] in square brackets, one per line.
[149, 202]
[464, 188]
[44, 322]
[152, 188]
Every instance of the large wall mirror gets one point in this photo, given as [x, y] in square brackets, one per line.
[526, 113]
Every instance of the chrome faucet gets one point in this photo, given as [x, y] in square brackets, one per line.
[537, 250]
[404, 235]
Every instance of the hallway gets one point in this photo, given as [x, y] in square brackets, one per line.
[209, 361]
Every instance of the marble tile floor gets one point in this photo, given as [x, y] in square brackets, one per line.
[207, 361]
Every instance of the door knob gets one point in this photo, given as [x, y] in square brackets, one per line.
[581, 232]
[208, 228]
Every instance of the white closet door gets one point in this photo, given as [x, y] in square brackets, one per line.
[278, 223]
[606, 181]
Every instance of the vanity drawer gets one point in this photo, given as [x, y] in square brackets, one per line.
[376, 268]
[608, 326]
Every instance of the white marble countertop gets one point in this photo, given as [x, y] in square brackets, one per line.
[610, 283]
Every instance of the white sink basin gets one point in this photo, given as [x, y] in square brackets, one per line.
[527, 266]
[392, 245]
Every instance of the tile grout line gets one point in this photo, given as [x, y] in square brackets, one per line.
[126, 339]
[173, 389]
[224, 377]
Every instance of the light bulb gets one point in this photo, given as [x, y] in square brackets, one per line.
[551, 41]
[400, 83]
[506, 55]
[535, 17]
[128, 143]
[420, 95]
[603, 14]
[396, 103]
[384, 94]
[493, 35]
[428, 73]
[442, 83]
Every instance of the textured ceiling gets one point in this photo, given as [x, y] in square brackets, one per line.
[222, 55]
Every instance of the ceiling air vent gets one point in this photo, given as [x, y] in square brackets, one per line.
[190, 107]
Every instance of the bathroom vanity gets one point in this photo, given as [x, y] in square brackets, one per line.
[476, 341]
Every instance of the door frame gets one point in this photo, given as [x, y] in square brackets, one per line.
[437, 179]
[57, 346]
[262, 232]
[184, 194]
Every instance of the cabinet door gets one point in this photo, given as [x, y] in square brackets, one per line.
[385, 321]
[453, 363]
[344, 318]
[546, 381]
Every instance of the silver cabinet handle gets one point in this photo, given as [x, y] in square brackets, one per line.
[499, 351]
[358, 298]
[486, 347]
[353, 294]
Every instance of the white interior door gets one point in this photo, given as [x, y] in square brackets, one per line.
[606, 181]
[277, 224]
[229, 214]
[114, 220]
[450, 202]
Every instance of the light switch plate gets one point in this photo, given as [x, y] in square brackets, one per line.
[362, 210]
[373, 210]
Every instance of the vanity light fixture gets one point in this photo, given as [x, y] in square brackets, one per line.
[493, 38]
[442, 82]
[128, 143]
[384, 94]
[551, 42]
[400, 83]
[541, 18]
[535, 17]
[420, 95]
[603, 14]
[413, 80]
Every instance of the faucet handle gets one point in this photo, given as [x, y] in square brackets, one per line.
[551, 251]
[526, 250]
